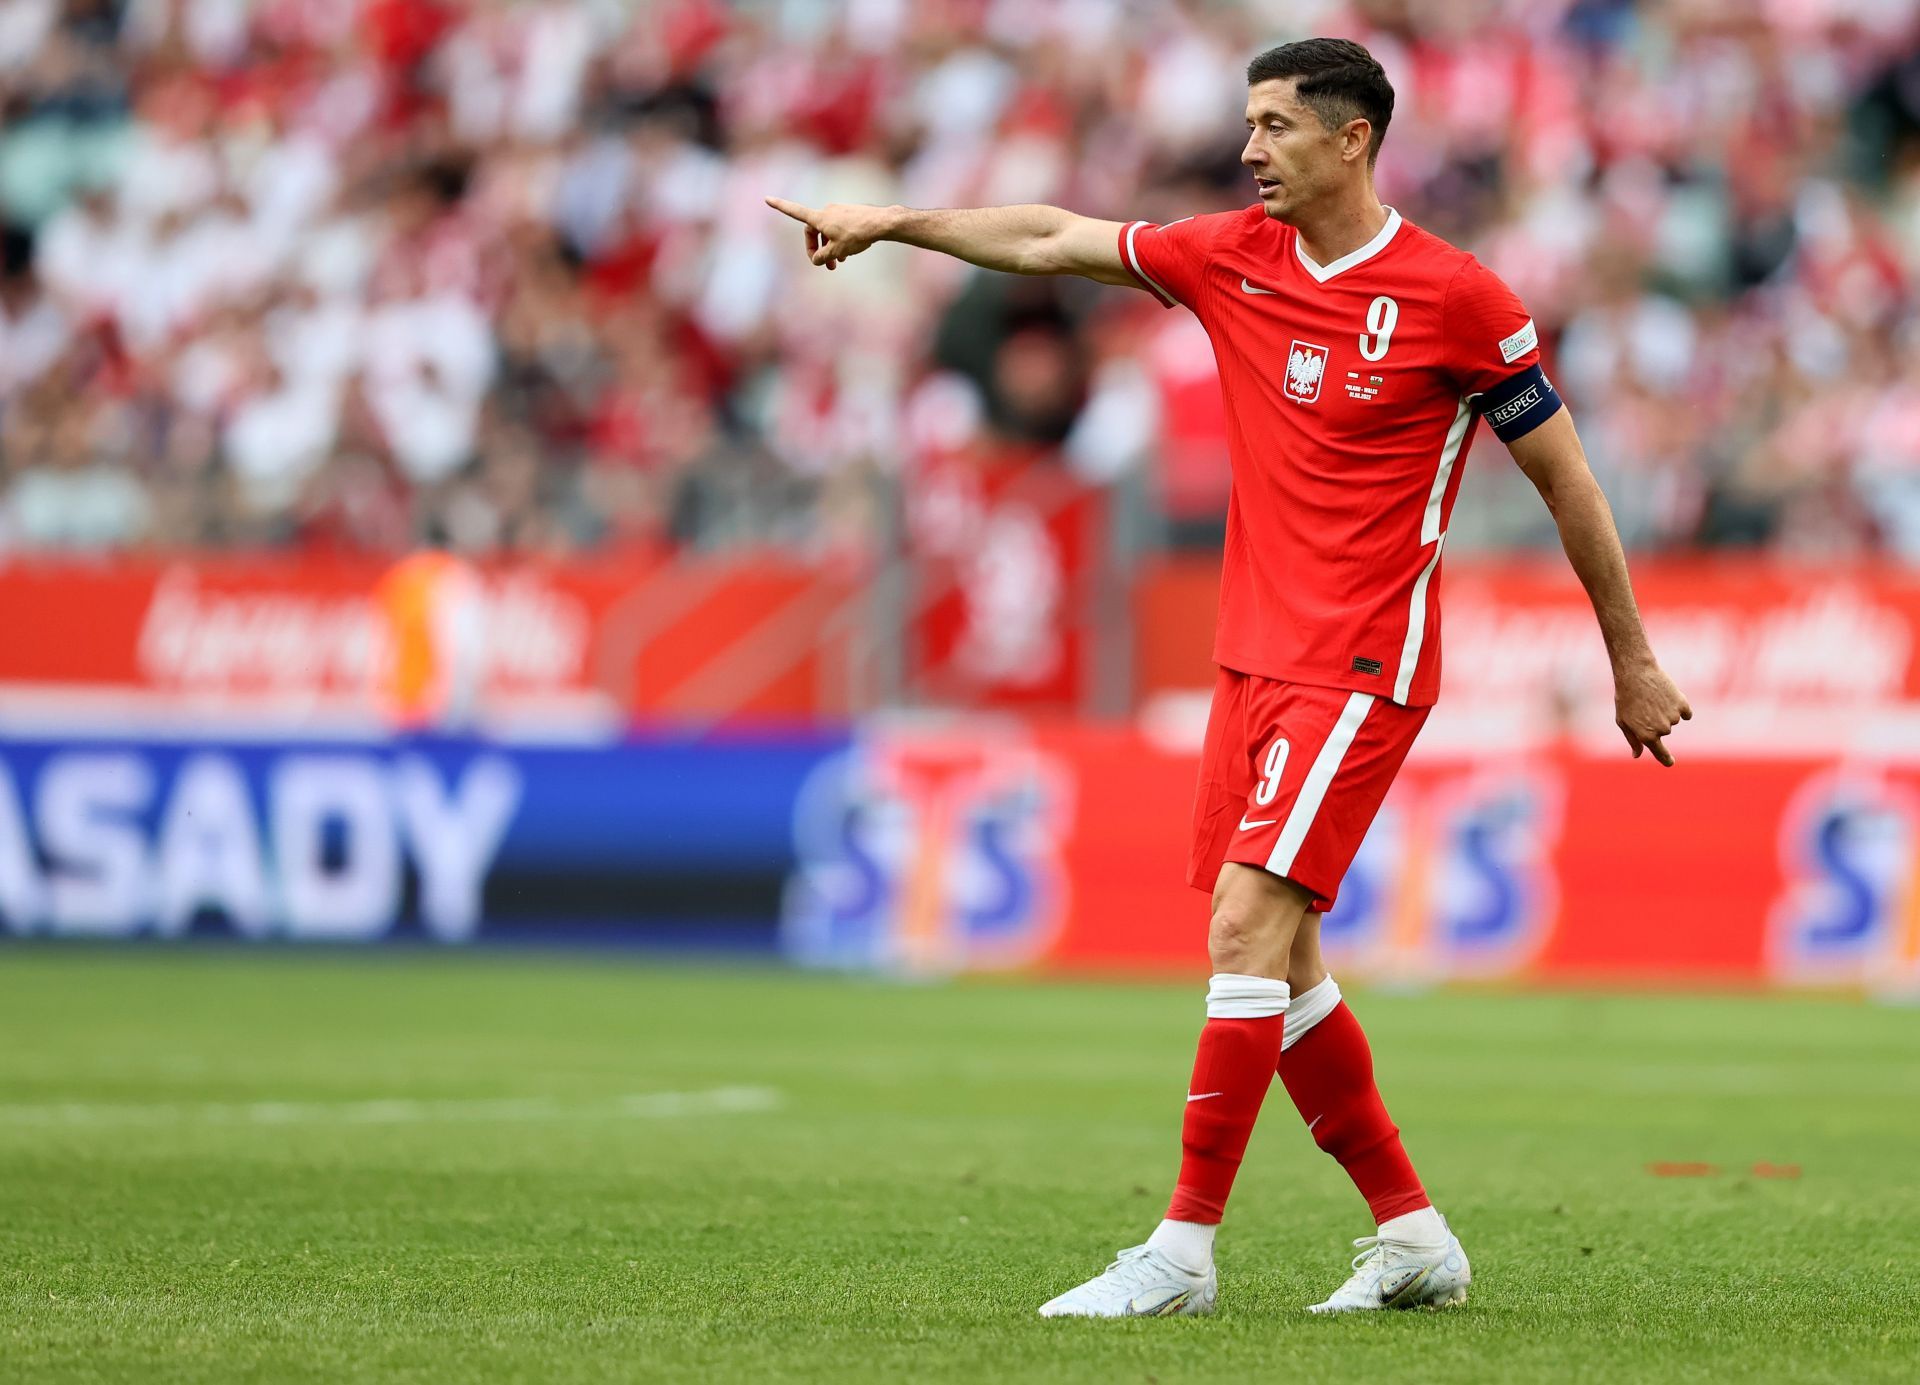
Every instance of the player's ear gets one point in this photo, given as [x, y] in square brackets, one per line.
[1355, 138]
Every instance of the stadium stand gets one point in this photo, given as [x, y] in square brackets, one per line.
[499, 276]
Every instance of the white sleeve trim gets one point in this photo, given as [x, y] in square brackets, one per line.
[1133, 262]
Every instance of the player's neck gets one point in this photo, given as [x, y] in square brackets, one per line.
[1340, 227]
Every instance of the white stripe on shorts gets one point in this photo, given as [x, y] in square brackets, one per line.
[1306, 805]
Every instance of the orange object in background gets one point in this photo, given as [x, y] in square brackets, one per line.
[431, 611]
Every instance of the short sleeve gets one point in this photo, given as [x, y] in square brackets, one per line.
[1170, 261]
[1489, 337]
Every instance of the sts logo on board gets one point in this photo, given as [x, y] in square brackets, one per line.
[1848, 911]
[927, 852]
[1454, 880]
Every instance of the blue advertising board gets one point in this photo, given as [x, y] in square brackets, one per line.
[679, 841]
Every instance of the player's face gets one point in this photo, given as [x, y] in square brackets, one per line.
[1294, 158]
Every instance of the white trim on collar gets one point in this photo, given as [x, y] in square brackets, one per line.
[1366, 252]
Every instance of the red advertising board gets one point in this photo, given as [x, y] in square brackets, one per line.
[1550, 866]
[963, 844]
[1733, 632]
[1523, 842]
[1001, 622]
[562, 643]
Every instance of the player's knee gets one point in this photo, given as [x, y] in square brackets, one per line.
[1255, 917]
[1244, 939]
[1229, 932]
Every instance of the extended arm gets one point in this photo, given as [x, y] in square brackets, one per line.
[1019, 240]
[1647, 705]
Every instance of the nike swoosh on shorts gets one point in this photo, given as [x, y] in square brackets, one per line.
[1246, 826]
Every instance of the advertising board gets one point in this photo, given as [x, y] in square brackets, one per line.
[928, 848]
[441, 841]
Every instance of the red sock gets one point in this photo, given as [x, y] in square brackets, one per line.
[1231, 1074]
[1329, 1074]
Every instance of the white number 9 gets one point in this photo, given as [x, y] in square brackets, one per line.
[1382, 317]
[1275, 766]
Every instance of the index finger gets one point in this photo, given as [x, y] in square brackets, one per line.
[792, 209]
[1660, 751]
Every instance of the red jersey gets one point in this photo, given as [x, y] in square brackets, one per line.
[1350, 391]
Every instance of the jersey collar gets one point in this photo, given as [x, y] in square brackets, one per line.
[1322, 273]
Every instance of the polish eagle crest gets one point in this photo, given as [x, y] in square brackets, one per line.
[1306, 363]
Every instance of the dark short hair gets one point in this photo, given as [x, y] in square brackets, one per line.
[1339, 81]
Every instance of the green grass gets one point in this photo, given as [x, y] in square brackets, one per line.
[942, 1159]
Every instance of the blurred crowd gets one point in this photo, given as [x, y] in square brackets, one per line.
[497, 274]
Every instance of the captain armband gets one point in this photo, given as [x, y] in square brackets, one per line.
[1515, 407]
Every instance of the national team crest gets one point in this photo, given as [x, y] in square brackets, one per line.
[1306, 365]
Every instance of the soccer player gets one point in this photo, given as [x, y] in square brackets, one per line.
[1357, 354]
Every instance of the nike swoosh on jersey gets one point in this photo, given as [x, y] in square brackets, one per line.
[1246, 826]
[1203, 1095]
[1254, 288]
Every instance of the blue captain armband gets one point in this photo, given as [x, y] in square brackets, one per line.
[1515, 407]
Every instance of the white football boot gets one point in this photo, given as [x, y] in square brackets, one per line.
[1388, 1274]
[1140, 1283]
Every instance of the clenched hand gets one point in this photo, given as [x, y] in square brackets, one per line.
[1646, 707]
[835, 232]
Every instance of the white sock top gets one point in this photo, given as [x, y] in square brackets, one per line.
[1233, 996]
[1308, 1009]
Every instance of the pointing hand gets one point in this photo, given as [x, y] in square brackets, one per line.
[835, 232]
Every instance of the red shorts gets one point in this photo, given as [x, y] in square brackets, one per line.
[1291, 777]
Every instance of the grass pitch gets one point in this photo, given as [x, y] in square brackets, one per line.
[313, 1166]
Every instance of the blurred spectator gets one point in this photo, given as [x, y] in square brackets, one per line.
[496, 274]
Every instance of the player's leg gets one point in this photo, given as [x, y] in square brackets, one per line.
[1249, 940]
[1326, 1065]
[1252, 918]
